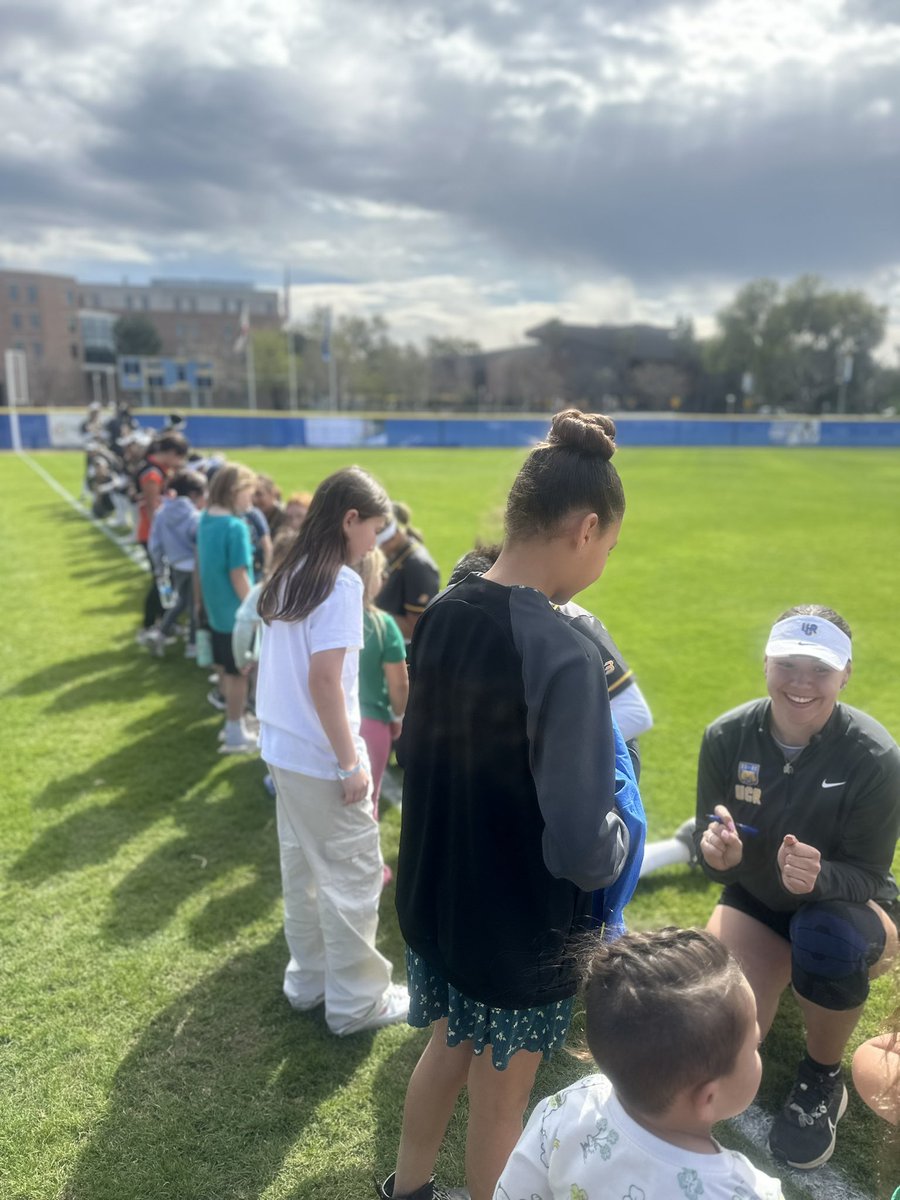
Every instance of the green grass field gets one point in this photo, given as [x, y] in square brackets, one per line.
[145, 1049]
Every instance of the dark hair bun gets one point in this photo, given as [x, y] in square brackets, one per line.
[591, 433]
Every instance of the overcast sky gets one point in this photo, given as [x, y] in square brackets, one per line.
[464, 168]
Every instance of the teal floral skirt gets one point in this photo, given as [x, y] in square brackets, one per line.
[505, 1030]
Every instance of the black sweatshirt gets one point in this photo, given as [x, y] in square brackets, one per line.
[508, 817]
[841, 794]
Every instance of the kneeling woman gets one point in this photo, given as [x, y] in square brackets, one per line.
[797, 815]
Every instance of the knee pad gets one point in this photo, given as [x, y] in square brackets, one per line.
[833, 944]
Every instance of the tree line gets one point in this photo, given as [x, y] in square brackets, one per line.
[803, 347]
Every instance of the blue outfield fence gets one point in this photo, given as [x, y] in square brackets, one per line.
[43, 429]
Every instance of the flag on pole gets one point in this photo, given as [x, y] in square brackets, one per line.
[242, 337]
[325, 347]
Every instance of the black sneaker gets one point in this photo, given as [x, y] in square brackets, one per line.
[804, 1133]
[428, 1191]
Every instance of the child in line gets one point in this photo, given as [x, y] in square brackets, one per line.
[671, 1022]
[173, 544]
[383, 675]
[307, 701]
[246, 637]
[225, 572]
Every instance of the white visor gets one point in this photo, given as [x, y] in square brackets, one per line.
[386, 534]
[810, 636]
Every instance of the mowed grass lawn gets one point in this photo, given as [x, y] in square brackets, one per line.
[145, 1048]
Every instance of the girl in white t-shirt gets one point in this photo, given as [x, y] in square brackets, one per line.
[308, 707]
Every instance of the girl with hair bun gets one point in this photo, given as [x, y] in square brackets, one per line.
[509, 813]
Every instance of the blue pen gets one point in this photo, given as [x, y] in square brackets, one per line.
[743, 828]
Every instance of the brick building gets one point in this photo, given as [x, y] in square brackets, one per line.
[194, 318]
[64, 327]
[39, 315]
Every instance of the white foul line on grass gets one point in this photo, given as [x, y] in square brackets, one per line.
[825, 1183]
[130, 549]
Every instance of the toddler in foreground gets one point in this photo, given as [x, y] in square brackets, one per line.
[671, 1022]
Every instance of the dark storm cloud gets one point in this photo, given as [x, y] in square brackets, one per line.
[804, 180]
[880, 12]
[564, 19]
[34, 21]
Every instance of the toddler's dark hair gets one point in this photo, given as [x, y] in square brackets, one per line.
[569, 472]
[663, 1012]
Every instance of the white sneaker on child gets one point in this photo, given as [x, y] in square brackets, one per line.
[245, 747]
[155, 643]
[390, 1010]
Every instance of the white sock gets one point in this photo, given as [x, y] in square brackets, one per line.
[234, 732]
[668, 853]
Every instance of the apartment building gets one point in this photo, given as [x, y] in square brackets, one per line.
[64, 326]
[194, 318]
[39, 315]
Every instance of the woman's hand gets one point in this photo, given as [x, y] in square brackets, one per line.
[799, 864]
[721, 844]
[356, 788]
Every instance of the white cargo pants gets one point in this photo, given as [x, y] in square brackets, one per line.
[331, 873]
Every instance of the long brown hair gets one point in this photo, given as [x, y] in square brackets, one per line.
[307, 574]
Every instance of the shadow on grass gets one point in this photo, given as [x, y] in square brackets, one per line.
[217, 1092]
[123, 661]
[223, 823]
[225, 828]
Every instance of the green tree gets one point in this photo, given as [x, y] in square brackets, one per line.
[270, 361]
[450, 347]
[136, 335]
[832, 336]
[797, 344]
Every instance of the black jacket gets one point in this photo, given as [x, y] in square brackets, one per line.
[508, 818]
[841, 794]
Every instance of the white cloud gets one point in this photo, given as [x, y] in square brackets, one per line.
[624, 160]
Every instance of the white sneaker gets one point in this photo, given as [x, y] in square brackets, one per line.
[392, 1009]
[155, 643]
[249, 732]
[247, 745]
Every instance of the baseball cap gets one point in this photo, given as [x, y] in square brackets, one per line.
[811, 636]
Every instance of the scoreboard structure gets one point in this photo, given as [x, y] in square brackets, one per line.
[165, 378]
